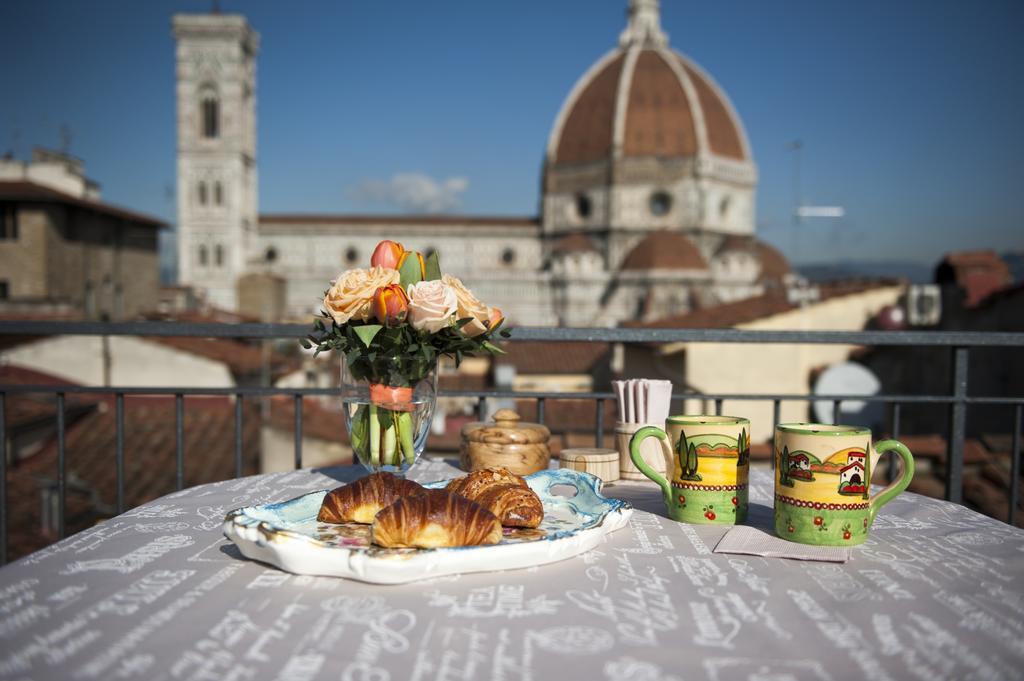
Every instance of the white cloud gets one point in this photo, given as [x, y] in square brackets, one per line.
[413, 192]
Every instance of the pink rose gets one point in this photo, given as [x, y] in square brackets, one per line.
[431, 305]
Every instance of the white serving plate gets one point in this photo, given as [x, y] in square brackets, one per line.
[287, 535]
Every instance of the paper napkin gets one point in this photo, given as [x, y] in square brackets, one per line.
[752, 541]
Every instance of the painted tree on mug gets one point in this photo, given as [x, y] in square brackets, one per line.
[743, 448]
[688, 460]
[784, 478]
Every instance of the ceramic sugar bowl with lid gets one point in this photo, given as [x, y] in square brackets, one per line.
[510, 443]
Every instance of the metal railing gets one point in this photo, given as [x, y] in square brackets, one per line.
[957, 400]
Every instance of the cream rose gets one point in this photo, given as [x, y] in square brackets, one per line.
[468, 306]
[431, 305]
[351, 295]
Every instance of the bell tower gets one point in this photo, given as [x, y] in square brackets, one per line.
[216, 116]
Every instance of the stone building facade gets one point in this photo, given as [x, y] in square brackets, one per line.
[61, 246]
[647, 206]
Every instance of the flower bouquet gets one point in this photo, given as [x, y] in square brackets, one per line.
[391, 323]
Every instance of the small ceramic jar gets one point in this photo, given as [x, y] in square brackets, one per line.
[519, 446]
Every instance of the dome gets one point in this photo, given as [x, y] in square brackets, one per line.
[644, 99]
[664, 250]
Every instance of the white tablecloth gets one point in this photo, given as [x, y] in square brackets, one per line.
[158, 593]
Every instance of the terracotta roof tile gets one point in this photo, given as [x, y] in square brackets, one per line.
[537, 357]
[664, 250]
[658, 117]
[723, 137]
[751, 309]
[979, 273]
[577, 242]
[150, 461]
[587, 131]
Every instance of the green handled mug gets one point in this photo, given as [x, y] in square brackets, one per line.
[710, 463]
[823, 482]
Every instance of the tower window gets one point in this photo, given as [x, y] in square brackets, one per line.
[661, 203]
[218, 255]
[351, 255]
[508, 256]
[583, 205]
[210, 110]
[218, 193]
[8, 221]
[270, 255]
[202, 256]
[723, 206]
[202, 193]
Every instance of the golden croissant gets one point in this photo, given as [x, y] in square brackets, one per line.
[504, 494]
[359, 501]
[435, 519]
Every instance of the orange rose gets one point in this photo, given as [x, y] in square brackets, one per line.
[468, 306]
[351, 295]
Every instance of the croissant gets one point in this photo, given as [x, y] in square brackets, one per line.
[359, 501]
[504, 494]
[435, 519]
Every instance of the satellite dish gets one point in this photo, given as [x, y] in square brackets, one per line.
[848, 378]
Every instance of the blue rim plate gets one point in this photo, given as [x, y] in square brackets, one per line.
[287, 535]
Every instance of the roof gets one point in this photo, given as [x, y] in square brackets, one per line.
[32, 410]
[664, 250]
[979, 273]
[794, 457]
[241, 358]
[577, 242]
[855, 464]
[537, 357]
[774, 265]
[21, 190]
[772, 303]
[642, 100]
[404, 220]
[149, 456]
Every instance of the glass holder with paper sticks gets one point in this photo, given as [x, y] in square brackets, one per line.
[641, 402]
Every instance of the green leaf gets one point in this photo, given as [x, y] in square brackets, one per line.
[492, 348]
[367, 332]
[409, 272]
[432, 267]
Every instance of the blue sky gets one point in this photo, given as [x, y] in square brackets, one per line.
[909, 112]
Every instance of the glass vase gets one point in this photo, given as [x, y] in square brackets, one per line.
[387, 424]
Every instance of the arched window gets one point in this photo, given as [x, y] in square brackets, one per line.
[209, 109]
[218, 255]
[202, 193]
[202, 256]
[218, 193]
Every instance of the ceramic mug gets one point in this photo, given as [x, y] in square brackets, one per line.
[711, 461]
[823, 482]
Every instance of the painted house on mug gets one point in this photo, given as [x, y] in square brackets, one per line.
[853, 476]
[647, 195]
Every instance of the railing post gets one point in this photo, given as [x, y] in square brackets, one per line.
[3, 482]
[540, 410]
[890, 472]
[179, 440]
[1015, 465]
[718, 406]
[61, 478]
[837, 407]
[957, 430]
[238, 435]
[599, 424]
[776, 409]
[298, 431]
[481, 408]
[119, 449]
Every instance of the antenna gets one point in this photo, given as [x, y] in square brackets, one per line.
[65, 139]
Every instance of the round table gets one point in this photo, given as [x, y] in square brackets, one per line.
[158, 593]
